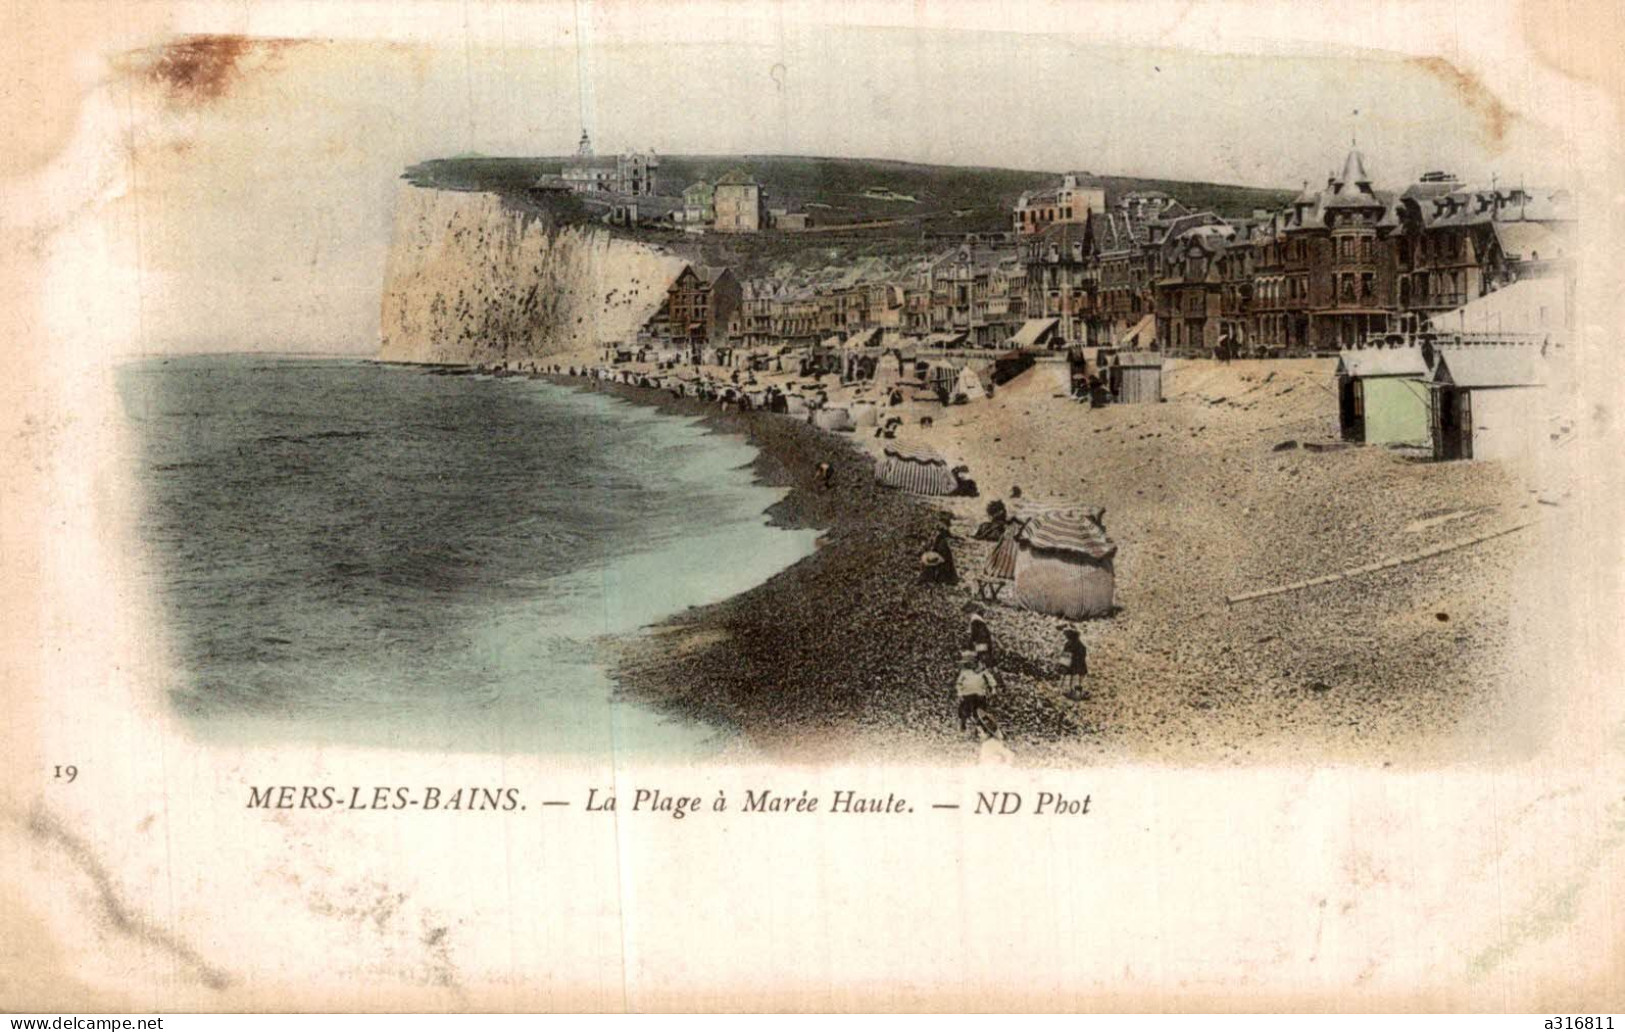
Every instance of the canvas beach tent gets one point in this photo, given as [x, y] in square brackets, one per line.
[1064, 564]
[917, 468]
[832, 419]
[971, 385]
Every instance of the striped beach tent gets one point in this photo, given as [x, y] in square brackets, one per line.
[917, 468]
[1064, 564]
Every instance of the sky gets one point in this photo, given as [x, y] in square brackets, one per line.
[258, 187]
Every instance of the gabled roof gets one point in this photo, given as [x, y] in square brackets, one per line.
[736, 177]
[1362, 362]
[1137, 360]
[706, 274]
[1529, 241]
[1489, 365]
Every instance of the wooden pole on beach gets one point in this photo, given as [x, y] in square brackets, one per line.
[1386, 564]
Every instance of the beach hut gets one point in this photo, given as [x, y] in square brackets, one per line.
[1380, 395]
[917, 468]
[1136, 376]
[971, 386]
[1064, 565]
[832, 419]
[864, 413]
[1486, 401]
[795, 405]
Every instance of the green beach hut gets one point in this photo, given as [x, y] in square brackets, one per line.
[1381, 396]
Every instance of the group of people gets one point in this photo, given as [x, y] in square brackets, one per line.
[978, 681]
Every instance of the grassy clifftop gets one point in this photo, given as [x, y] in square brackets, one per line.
[908, 200]
[854, 189]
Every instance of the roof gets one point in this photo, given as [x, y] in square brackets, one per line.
[1489, 365]
[1137, 359]
[1073, 530]
[1534, 305]
[914, 451]
[1362, 362]
[736, 177]
[1354, 169]
[1032, 330]
[1528, 241]
[708, 274]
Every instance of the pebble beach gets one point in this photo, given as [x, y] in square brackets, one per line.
[1236, 482]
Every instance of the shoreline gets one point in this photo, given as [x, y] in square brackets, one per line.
[840, 653]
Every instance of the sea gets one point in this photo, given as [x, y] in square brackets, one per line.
[349, 551]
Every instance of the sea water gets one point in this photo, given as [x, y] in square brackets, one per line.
[353, 552]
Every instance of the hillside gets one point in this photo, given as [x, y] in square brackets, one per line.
[912, 200]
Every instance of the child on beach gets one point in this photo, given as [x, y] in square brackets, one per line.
[993, 751]
[1077, 664]
[981, 636]
[974, 686]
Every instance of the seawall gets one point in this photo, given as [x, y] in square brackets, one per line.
[470, 280]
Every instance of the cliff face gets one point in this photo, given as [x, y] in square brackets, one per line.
[470, 281]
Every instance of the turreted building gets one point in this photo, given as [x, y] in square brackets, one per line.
[629, 175]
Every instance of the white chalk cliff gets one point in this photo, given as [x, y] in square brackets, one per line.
[469, 280]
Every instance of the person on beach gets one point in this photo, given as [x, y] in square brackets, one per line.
[939, 570]
[993, 751]
[1077, 664]
[824, 474]
[981, 638]
[974, 686]
[963, 484]
[993, 528]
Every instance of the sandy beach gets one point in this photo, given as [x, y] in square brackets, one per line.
[1235, 483]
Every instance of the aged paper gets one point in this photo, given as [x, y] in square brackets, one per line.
[741, 506]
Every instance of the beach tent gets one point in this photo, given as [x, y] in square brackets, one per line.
[1380, 395]
[916, 467]
[1064, 565]
[864, 413]
[795, 405]
[970, 385]
[832, 419]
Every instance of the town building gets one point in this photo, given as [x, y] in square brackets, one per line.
[700, 305]
[1071, 202]
[699, 203]
[738, 203]
[630, 174]
[1060, 278]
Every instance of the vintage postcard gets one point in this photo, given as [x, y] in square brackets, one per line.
[614, 505]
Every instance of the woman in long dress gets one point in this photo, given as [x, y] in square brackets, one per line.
[1001, 565]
